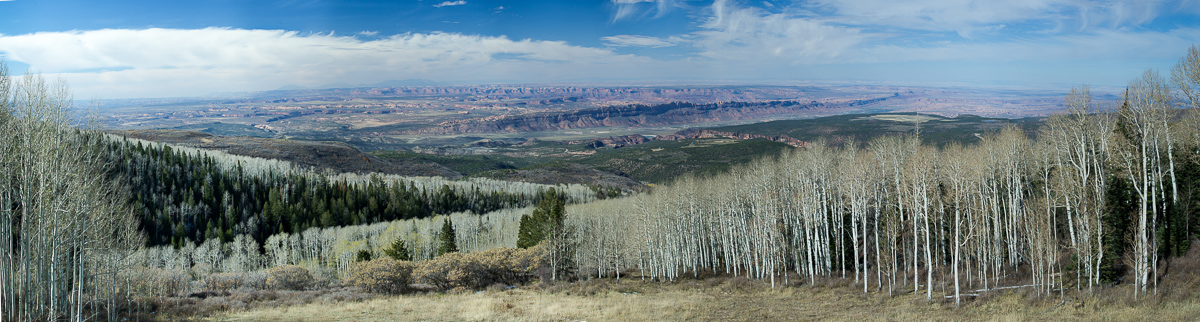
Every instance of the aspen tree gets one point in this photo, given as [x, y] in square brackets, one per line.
[64, 230]
[1142, 124]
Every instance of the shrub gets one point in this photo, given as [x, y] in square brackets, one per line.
[155, 281]
[224, 281]
[289, 277]
[255, 280]
[479, 270]
[435, 271]
[382, 275]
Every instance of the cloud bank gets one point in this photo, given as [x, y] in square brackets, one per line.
[179, 62]
[959, 40]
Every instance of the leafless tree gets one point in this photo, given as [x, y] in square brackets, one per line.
[64, 229]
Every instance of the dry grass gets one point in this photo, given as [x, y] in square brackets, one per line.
[711, 299]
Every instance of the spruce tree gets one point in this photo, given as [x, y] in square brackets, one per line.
[529, 233]
[398, 250]
[362, 256]
[548, 215]
[447, 238]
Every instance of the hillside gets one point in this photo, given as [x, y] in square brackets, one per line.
[663, 161]
[702, 151]
[936, 130]
[320, 155]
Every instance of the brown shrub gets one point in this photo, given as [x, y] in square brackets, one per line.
[289, 277]
[382, 275]
[256, 280]
[478, 270]
[224, 281]
[156, 281]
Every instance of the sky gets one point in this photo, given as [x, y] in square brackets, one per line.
[143, 49]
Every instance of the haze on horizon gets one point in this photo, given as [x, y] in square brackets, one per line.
[171, 49]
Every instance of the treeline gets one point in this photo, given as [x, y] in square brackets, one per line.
[181, 194]
[1105, 194]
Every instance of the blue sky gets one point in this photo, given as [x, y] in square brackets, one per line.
[191, 48]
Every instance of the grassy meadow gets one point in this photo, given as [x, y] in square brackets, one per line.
[724, 299]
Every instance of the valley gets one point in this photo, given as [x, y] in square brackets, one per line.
[394, 118]
[609, 136]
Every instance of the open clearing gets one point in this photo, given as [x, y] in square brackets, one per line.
[714, 299]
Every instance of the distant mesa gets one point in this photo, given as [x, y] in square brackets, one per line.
[387, 83]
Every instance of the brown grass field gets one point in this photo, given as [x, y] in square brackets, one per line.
[723, 299]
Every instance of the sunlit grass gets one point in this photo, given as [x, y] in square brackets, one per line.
[718, 299]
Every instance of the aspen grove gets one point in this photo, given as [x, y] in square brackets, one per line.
[1098, 193]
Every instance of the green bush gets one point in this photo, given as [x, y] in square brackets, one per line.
[289, 277]
[381, 275]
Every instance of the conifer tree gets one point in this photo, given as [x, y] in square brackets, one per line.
[548, 215]
[447, 238]
[398, 250]
[362, 256]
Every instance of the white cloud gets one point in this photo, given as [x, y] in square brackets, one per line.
[178, 62]
[450, 3]
[1100, 45]
[640, 41]
[729, 41]
[628, 9]
[967, 16]
[941, 15]
[749, 35]
[754, 35]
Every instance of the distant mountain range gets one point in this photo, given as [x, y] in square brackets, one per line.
[387, 83]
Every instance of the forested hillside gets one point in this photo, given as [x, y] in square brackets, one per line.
[182, 194]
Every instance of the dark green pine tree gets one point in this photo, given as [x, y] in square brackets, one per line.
[447, 239]
[530, 231]
[362, 256]
[1120, 206]
[548, 215]
[398, 250]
